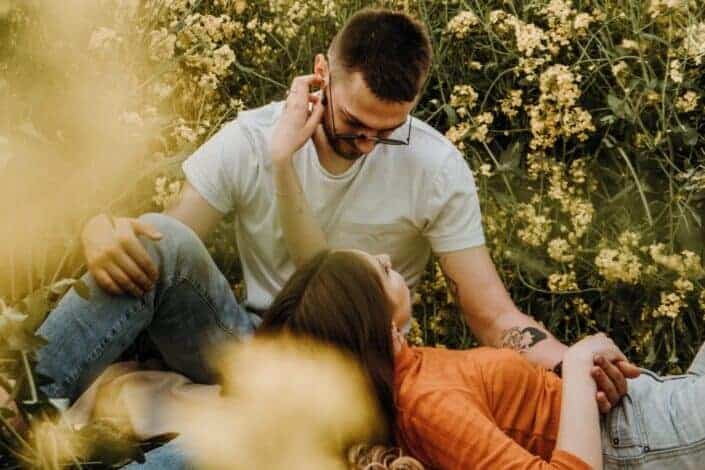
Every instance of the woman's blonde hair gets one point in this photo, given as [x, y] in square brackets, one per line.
[366, 457]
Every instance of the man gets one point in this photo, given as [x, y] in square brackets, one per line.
[377, 179]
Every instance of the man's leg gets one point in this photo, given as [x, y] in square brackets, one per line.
[190, 309]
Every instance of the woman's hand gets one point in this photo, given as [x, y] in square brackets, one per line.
[607, 365]
[297, 123]
[599, 345]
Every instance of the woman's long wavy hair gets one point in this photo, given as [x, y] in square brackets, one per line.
[338, 298]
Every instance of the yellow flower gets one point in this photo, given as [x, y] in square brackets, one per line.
[481, 122]
[694, 42]
[581, 307]
[671, 305]
[688, 102]
[560, 250]
[618, 265]
[537, 227]
[630, 44]
[456, 134]
[529, 37]
[558, 282]
[463, 99]
[462, 24]
[675, 71]
[683, 286]
[511, 103]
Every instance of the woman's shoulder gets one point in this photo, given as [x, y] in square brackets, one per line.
[422, 370]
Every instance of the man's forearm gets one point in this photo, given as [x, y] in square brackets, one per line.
[491, 313]
[515, 330]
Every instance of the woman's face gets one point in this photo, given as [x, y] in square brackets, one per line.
[394, 285]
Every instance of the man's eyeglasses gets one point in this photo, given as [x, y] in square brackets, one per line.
[351, 137]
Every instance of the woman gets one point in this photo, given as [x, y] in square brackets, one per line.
[483, 408]
[488, 408]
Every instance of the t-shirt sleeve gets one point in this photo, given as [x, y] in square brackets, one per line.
[453, 209]
[451, 434]
[222, 167]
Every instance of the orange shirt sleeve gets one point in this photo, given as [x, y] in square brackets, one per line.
[447, 431]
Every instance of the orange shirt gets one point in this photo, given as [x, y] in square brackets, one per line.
[483, 408]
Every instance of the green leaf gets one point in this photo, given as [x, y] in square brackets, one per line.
[690, 135]
[618, 106]
[450, 112]
[82, 289]
[509, 158]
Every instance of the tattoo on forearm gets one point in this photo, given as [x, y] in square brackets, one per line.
[522, 339]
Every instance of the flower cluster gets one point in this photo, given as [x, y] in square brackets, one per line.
[687, 102]
[462, 24]
[556, 113]
[536, 228]
[686, 264]
[562, 282]
[619, 265]
[510, 105]
[463, 99]
[694, 42]
[560, 250]
[165, 192]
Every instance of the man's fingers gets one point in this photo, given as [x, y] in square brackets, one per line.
[137, 252]
[122, 280]
[604, 383]
[315, 118]
[143, 228]
[106, 282]
[133, 271]
[603, 403]
[614, 374]
[628, 369]
[304, 81]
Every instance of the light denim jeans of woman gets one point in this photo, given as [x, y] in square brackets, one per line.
[190, 310]
[660, 423]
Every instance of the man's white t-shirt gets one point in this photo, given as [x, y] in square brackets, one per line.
[405, 201]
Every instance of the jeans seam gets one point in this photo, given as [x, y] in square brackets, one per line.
[208, 301]
[71, 378]
[677, 450]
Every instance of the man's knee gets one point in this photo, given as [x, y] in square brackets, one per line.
[178, 238]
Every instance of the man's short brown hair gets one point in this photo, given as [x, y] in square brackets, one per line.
[391, 49]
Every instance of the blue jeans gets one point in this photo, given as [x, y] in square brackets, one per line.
[190, 310]
[660, 423]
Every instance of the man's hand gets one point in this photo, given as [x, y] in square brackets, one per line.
[611, 379]
[115, 256]
[610, 371]
[297, 123]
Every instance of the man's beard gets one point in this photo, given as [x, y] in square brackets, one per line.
[338, 144]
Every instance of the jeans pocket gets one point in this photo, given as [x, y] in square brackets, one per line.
[625, 424]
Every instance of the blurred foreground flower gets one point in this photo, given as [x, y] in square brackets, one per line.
[284, 403]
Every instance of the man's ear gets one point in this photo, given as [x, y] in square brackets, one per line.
[320, 67]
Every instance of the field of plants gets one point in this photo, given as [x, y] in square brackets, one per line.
[583, 123]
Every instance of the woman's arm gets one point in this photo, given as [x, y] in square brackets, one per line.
[303, 235]
[579, 431]
[302, 113]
